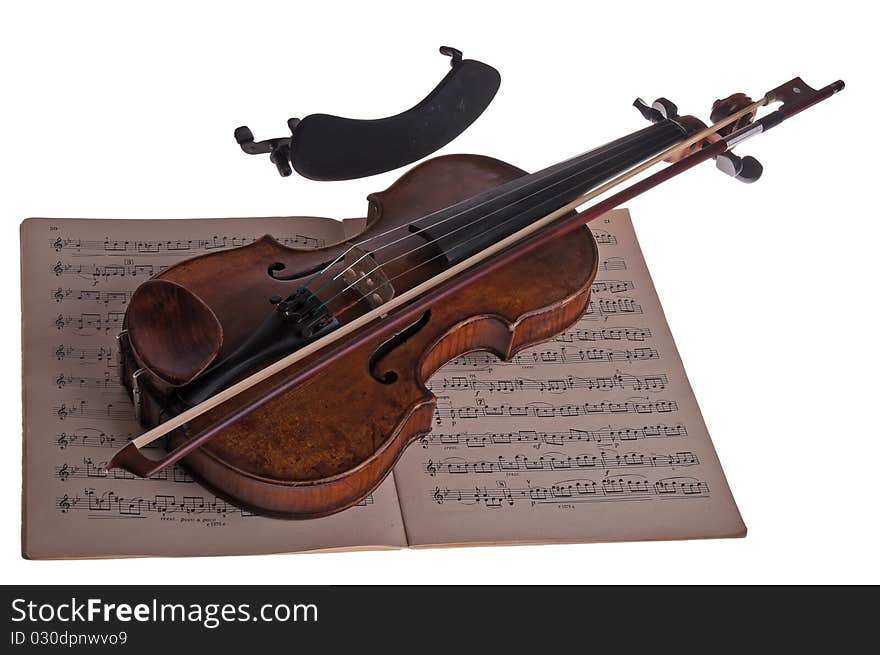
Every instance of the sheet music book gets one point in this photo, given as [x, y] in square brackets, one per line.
[593, 436]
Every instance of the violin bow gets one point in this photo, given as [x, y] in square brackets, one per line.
[794, 97]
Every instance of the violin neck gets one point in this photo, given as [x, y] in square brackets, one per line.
[468, 227]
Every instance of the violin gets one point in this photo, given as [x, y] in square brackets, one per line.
[289, 381]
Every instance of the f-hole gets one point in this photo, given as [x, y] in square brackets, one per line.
[275, 269]
[390, 377]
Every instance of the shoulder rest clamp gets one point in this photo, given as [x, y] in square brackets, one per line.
[327, 147]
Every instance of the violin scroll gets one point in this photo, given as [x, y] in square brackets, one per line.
[745, 169]
[727, 107]
[659, 110]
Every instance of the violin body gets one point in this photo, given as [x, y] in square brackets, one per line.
[327, 444]
[290, 381]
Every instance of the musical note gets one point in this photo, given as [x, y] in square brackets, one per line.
[602, 308]
[558, 355]
[108, 381]
[618, 380]
[605, 334]
[89, 323]
[183, 247]
[612, 286]
[95, 438]
[99, 272]
[613, 264]
[560, 461]
[90, 469]
[91, 295]
[119, 411]
[601, 436]
[112, 505]
[546, 410]
[604, 237]
[574, 491]
[87, 354]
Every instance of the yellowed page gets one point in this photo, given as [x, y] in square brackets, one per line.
[77, 276]
[594, 436]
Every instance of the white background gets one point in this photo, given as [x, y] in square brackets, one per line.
[116, 110]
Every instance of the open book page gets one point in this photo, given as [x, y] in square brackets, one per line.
[77, 276]
[593, 436]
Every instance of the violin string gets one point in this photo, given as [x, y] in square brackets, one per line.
[545, 172]
[548, 172]
[322, 303]
[421, 264]
[363, 297]
[407, 296]
[535, 178]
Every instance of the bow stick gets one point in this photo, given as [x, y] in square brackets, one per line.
[794, 96]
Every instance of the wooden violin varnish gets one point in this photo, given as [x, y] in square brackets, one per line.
[289, 380]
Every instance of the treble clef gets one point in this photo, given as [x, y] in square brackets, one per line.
[58, 244]
[64, 504]
[431, 467]
[63, 440]
[62, 412]
[60, 322]
[439, 496]
[58, 295]
[64, 472]
[58, 268]
[61, 381]
[61, 352]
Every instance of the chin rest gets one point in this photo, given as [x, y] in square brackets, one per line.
[175, 356]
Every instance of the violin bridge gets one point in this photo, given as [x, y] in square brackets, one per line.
[365, 276]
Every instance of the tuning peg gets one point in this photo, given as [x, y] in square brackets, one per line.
[666, 107]
[745, 169]
[646, 110]
[659, 110]
[730, 105]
